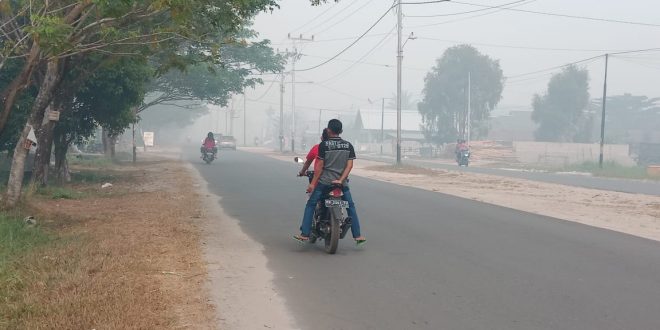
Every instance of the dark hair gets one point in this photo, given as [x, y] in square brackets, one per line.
[324, 135]
[335, 126]
[210, 134]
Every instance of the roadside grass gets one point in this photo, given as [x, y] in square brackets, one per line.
[610, 169]
[61, 192]
[18, 243]
[93, 161]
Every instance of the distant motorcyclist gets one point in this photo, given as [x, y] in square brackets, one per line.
[461, 145]
[209, 144]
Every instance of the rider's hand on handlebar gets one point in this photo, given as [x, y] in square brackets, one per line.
[337, 182]
[301, 173]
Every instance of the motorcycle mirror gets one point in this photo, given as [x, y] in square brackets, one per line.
[298, 160]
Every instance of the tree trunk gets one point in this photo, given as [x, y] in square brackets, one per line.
[44, 149]
[61, 163]
[109, 142]
[19, 83]
[17, 171]
[42, 100]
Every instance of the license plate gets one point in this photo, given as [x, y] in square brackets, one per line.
[336, 202]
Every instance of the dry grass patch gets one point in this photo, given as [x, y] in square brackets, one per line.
[127, 257]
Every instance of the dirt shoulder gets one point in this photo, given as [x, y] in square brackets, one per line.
[633, 214]
[124, 257]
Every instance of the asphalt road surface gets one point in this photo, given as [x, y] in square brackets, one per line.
[440, 262]
[648, 187]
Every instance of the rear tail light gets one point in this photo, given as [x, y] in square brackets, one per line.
[336, 192]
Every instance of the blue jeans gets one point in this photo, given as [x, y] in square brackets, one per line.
[314, 198]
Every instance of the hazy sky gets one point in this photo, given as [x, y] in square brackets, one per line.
[343, 83]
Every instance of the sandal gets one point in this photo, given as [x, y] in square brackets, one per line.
[360, 241]
[300, 238]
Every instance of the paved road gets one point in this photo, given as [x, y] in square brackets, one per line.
[630, 186]
[439, 262]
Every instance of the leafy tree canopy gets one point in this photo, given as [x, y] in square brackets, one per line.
[561, 110]
[444, 104]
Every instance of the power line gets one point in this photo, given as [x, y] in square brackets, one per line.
[496, 10]
[367, 54]
[522, 47]
[467, 12]
[562, 15]
[424, 2]
[368, 30]
[351, 45]
[367, 63]
[555, 67]
[315, 17]
[265, 93]
[345, 17]
[332, 17]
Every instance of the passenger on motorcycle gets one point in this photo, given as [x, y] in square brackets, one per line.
[313, 155]
[334, 164]
[209, 143]
[461, 145]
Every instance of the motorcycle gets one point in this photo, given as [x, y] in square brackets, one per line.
[463, 157]
[208, 155]
[330, 222]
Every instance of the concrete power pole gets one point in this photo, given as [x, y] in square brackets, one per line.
[602, 119]
[469, 107]
[399, 62]
[281, 137]
[293, 87]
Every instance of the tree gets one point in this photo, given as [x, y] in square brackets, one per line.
[444, 103]
[627, 113]
[48, 35]
[561, 111]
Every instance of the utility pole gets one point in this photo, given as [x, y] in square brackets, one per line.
[382, 126]
[602, 117]
[469, 107]
[293, 87]
[320, 114]
[399, 62]
[244, 119]
[281, 113]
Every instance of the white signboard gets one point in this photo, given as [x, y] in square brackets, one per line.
[148, 139]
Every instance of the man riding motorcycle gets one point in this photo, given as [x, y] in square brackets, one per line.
[461, 145]
[334, 164]
[209, 144]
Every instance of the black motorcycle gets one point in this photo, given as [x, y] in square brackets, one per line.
[330, 222]
[208, 155]
[463, 157]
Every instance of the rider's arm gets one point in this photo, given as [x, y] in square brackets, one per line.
[349, 165]
[318, 170]
[308, 162]
[347, 170]
[311, 156]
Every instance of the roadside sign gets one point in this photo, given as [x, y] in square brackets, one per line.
[148, 139]
[53, 115]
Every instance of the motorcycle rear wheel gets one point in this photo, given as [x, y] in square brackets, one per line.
[332, 242]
